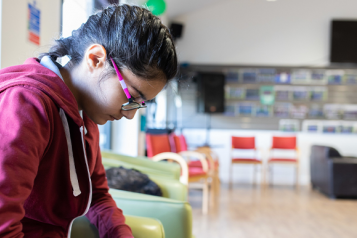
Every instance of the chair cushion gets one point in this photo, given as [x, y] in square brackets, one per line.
[292, 160]
[246, 160]
[194, 171]
[198, 164]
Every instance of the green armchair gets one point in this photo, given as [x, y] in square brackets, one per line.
[141, 227]
[172, 209]
[175, 216]
[145, 165]
[170, 185]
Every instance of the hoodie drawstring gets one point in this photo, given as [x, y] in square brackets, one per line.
[72, 168]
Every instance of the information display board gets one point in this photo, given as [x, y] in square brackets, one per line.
[34, 17]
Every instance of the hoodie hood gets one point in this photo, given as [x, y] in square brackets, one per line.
[49, 168]
[34, 74]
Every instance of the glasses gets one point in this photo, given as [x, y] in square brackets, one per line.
[131, 105]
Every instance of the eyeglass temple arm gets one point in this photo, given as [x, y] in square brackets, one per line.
[121, 80]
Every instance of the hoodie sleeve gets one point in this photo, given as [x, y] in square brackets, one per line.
[24, 135]
[104, 213]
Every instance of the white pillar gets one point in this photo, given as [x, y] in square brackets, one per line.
[125, 136]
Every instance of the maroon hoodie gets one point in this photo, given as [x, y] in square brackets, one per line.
[39, 196]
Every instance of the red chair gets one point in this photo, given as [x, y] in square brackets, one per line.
[213, 160]
[159, 148]
[159, 143]
[286, 144]
[180, 143]
[244, 143]
[211, 157]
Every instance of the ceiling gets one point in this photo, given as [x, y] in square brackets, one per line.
[175, 8]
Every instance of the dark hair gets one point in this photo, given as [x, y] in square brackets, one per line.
[131, 35]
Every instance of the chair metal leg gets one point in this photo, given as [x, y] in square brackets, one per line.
[205, 197]
[263, 179]
[218, 181]
[230, 175]
[267, 173]
[255, 175]
[271, 175]
[212, 189]
[297, 176]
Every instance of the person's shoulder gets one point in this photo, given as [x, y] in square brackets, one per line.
[22, 95]
[23, 107]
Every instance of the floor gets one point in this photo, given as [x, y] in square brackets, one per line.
[274, 212]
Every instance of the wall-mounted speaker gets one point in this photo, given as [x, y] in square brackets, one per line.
[176, 30]
[343, 47]
[210, 92]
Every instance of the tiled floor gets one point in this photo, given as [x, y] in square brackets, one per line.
[274, 212]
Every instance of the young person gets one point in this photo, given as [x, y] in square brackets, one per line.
[50, 162]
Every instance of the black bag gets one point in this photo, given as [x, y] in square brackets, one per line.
[131, 180]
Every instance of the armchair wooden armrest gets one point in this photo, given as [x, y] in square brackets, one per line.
[178, 158]
[197, 155]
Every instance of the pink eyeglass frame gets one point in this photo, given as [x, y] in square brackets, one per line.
[126, 91]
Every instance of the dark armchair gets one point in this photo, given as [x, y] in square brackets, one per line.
[333, 174]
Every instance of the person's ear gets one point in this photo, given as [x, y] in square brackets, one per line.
[95, 57]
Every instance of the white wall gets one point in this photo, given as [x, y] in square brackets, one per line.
[15, 46]
[283, 175]
[258, 32]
